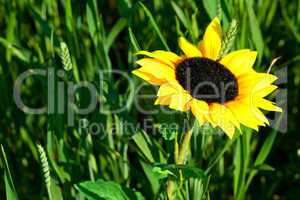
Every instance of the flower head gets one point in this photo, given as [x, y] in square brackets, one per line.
[224, 92]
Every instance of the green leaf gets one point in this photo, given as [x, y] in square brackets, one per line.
[45, 26]
[239, 166]
[162, 173]
[107, 190]
[91, 21]
[10, 190]
[179, 12]
[51, 147]
[271, 13]
[55, 190]
[263, 167]
[14, 50]
[266, 148]
[268, 144]
[210, 7]
[220, 154]
[115, 31]
[184, 171]
[194, 26]
[133, 40]
[292, 27]
[153, 177]
[264, 152]
[140, 140]
[125, 7]
[68, 15]
[255, 30]
[155, 26]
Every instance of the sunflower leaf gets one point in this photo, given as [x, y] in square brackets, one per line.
[180, 171]
[109, 190]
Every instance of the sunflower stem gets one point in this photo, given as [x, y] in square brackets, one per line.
[170, 189]
[176, 148]
[184, 147]
[179, 160]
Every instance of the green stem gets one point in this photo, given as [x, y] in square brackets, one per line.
[49, 192]
[179, 161]
[184, 147]
[170, 189]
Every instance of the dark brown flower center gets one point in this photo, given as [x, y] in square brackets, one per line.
[207, 80]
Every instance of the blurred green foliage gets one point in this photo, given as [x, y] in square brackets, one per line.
[105, 35]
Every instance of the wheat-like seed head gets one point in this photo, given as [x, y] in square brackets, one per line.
[44, 165]
[65, 56]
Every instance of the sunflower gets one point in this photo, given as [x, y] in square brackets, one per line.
[225, 92]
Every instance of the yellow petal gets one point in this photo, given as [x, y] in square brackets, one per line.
[209, 119]
[266, 91]
[266, 105]
[212, 40]
[225, 113]
[255, 84]
[189, 49]
[178, 98]
[164, 100]
[169, 88]
[260, 116]
[255, 77]
[219, 115]
[230, 116]
[239, 62]
[243, 112]
[264, 81]
[166, 57]
[199, 110]
[156, 68]
[180, 102]
[148, 77]
[228, 128]
[201, 47]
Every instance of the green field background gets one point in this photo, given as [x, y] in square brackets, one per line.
[120, 164]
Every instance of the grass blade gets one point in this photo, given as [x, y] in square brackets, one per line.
[210, 7]
[11, 193]
[142, 143]
[255, 31]
[263, 154]
[266, 148]
[115, 31]
[155, 26]
[179, 12]
[133, 40]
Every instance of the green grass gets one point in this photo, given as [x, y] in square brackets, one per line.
[43, 158]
